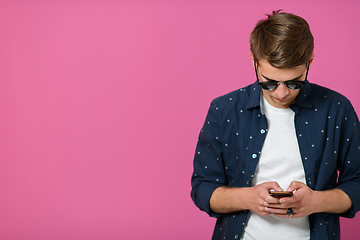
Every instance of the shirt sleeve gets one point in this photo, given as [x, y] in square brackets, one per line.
[208, 162]
[349, 169]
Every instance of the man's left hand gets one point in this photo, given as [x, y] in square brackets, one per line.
[302, 203]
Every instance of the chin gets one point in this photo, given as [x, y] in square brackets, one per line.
[280, 104]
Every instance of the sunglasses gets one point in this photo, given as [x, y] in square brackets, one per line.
[272, 85]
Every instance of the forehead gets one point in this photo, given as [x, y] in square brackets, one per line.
[279, 74]
[265, 64]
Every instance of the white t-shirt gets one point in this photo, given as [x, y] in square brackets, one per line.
[279, 161]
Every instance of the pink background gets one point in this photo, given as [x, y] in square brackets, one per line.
[102, 101]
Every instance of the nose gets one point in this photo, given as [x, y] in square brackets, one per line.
[281, 91]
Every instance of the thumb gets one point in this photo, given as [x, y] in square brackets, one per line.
[275, 186]
[295, 185]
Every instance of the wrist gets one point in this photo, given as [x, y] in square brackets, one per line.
[228, 199]
[331, 201]
[319, 202]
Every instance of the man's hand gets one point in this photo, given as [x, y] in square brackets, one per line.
[256, 199]
[306, 201]
[259, 198]
[303, 202]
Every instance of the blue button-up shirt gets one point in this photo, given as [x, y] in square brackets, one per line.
[231, 140]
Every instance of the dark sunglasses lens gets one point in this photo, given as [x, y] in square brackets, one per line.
[269, 86]
[294, 85]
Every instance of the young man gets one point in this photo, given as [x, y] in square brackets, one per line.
[281, 133]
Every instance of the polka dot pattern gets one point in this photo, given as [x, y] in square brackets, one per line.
[230, 144]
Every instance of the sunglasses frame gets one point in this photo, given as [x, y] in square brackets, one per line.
[275, 84]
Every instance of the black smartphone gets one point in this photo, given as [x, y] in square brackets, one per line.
[281, 194]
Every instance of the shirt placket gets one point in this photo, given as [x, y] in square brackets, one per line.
[256, 141]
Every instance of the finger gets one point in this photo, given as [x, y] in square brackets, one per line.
[285, 215]
[274, 201]
[266, 194]
[261, 211]
[290, 213]
[272, 185]
[275, 186]
[277, 205]
[295, 185]
[284, 200]
[277, 211]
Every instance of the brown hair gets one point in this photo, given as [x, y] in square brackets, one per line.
[283, 39]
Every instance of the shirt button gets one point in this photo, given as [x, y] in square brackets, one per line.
[262, 131]
[247, 182]
[236, 236]
[254, 156]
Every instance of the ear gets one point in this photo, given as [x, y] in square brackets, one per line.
[252, 58]
[312, 57]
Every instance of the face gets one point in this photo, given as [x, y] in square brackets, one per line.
[282, 96]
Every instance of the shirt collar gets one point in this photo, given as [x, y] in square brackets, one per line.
[304, 97]
[302, 100]
[255, 96]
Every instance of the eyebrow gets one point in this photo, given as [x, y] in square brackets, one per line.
[272, 80]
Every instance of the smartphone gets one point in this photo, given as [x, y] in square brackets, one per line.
[280, 194]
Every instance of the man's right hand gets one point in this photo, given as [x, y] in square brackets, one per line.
[233, 199]
[259, 197]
